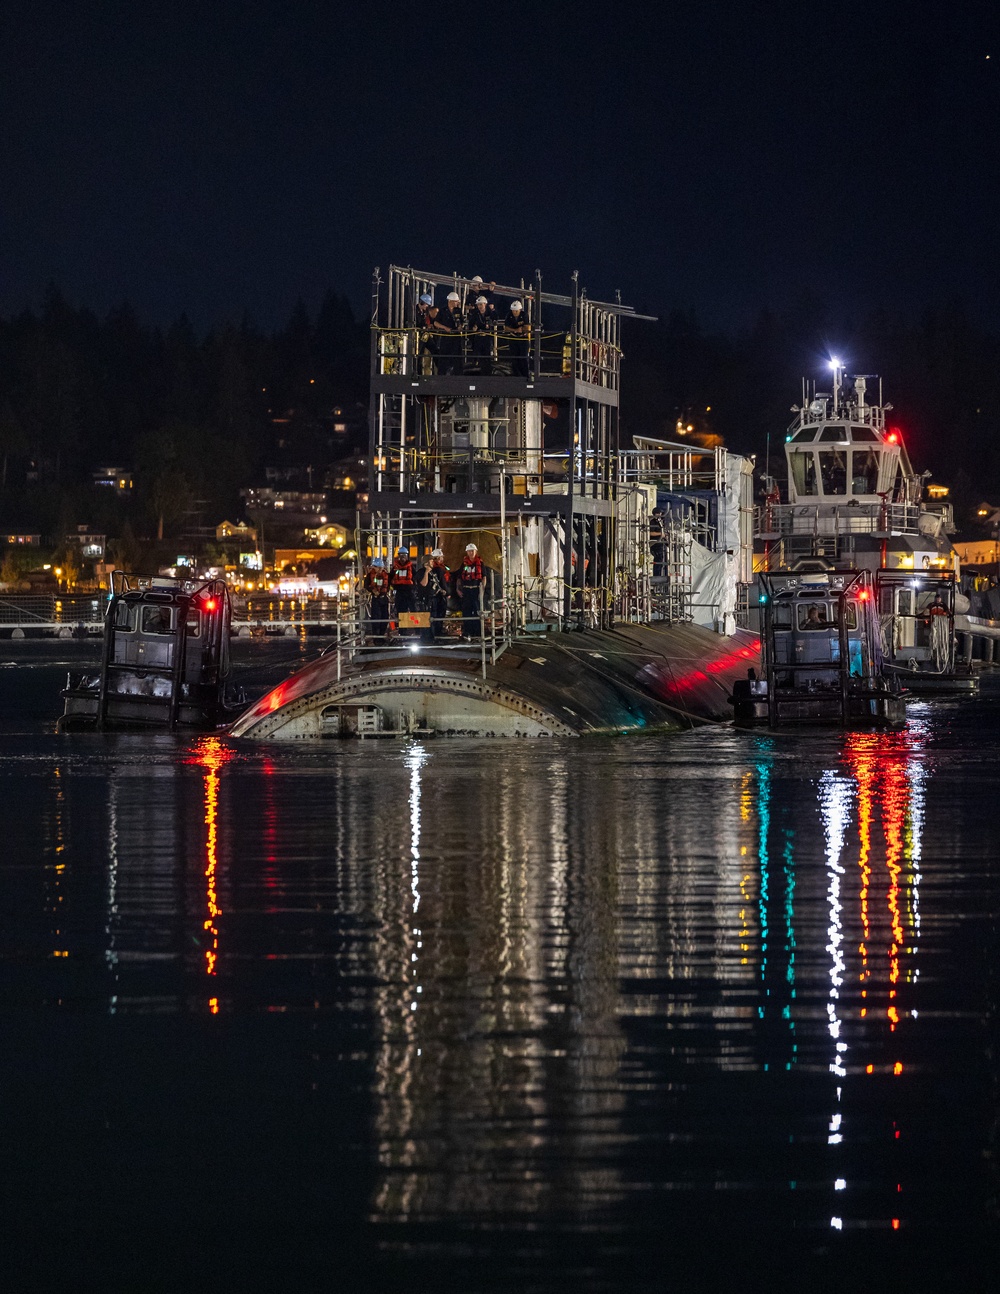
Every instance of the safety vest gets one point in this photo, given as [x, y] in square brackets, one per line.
[402, 572]
[377, 580]
[472, 570]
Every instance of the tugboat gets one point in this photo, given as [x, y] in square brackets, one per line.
[165, 661]
[822, 656]
[855, 503]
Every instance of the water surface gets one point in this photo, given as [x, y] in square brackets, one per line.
[695, 1012]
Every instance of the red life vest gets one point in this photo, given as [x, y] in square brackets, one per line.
[402, 572]
[472, 570]
[377, 580]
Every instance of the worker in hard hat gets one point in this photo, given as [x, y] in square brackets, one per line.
[516, 330]
[403, 580]
[426, 343]
[469, 585]
[481, 327]
[435, 579]
[452, 321]
[477, 288]
[377, 589]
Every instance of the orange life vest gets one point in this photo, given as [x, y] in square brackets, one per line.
[472, 570]
[402, 572]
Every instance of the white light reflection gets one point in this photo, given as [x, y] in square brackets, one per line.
[111, 951]
[416, 758]
[917, 773]
[836, 795]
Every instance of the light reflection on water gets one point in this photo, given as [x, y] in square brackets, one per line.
[659, 1002]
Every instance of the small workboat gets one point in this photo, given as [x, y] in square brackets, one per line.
[917, 624]
[822, 656]
[165, 661]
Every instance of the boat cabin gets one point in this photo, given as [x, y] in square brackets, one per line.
[821, 654]
[853, 497]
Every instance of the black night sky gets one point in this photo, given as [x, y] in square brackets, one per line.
[230, 157]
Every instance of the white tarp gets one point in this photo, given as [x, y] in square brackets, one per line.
[714, 576]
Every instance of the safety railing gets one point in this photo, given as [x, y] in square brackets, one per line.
[25, 609]
[417, 353]
[676, 469]
[825, 522]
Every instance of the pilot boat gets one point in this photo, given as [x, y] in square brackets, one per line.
[165, 659]
[821, 653]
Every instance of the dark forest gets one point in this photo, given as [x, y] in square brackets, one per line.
[197, 418]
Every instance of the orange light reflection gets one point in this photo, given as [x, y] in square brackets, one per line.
[211, 754]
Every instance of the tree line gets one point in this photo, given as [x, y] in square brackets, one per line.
[196, 418]
[191, 417]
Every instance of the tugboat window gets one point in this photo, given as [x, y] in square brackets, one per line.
[804, 473]
[156, 620]
[126, 617]
[864, 471]
[834, 433]
[833, 466]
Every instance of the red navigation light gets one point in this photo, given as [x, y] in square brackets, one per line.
[209, 604]
[893, 438]
[862, 595]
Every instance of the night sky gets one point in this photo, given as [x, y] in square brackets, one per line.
[218, 158]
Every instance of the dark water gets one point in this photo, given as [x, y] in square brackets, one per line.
[717, 1011]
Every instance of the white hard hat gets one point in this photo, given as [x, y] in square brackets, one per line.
[437, 552]
[476, 278]
[453, 296]
[517, 305]
[471, 548]
[481, 301]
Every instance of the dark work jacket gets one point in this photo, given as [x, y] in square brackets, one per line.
[480, 322]
[438, 579]
[453, 319]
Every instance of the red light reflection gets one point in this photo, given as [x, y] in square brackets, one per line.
[211, 754]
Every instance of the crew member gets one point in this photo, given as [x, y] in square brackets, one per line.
[377, 588]
[815, 617]
[426, 343]
[481, 289]
[469, 584]
[436, 580]
[436, 329]
[403, 580]
[450, 345]
[423, 305]
[480, 326]
[936, 608]
[515, 327]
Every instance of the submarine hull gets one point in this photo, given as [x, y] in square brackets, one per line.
[638, 678]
